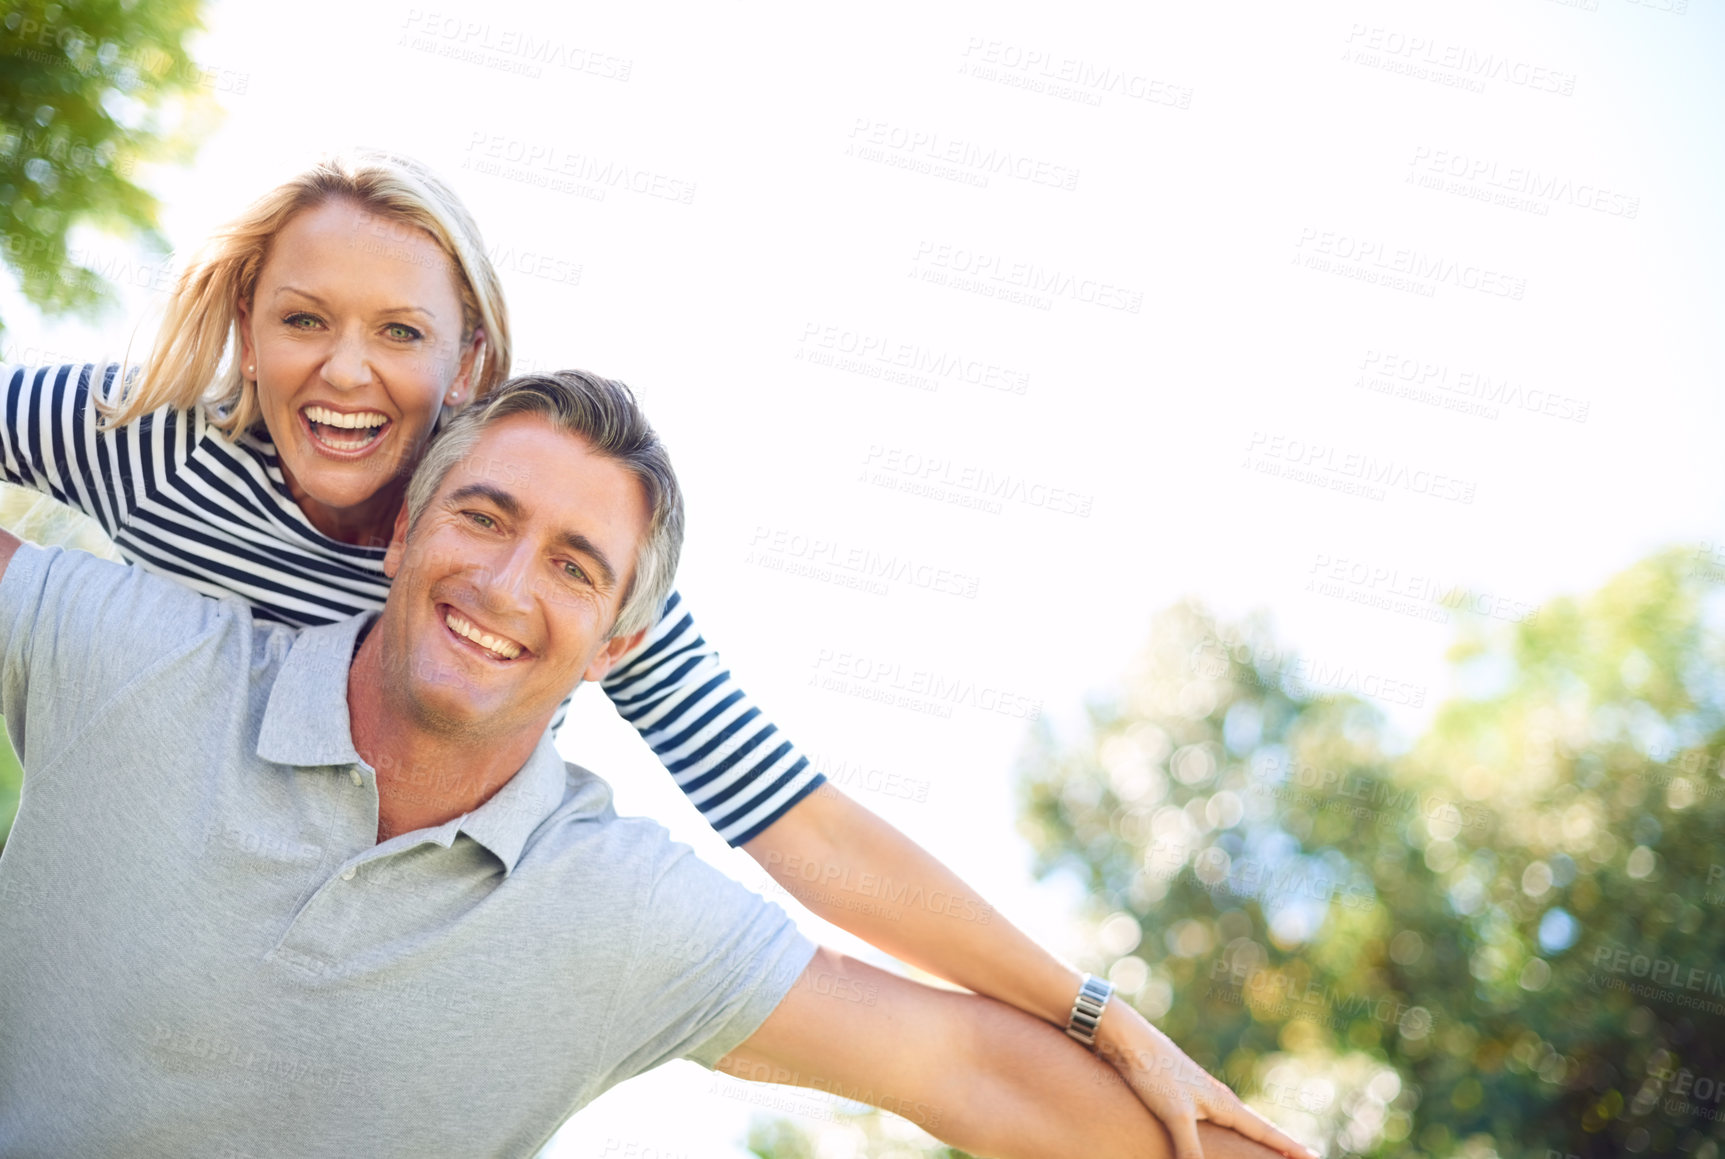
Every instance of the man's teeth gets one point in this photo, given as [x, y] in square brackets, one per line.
[332, 418]
[506, 649]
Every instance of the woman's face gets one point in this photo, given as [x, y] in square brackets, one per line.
[354, 335]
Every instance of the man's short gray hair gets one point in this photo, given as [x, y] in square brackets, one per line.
[605, 415]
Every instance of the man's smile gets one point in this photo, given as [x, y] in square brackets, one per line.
[488, 644]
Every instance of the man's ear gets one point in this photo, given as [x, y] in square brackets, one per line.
[614, 649]
[397, 544]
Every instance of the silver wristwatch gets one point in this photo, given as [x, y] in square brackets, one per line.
[1087, 1009]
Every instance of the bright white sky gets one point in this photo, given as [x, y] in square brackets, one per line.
[840, 165]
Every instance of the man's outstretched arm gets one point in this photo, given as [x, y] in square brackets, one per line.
[9, 545]
[971, 1071]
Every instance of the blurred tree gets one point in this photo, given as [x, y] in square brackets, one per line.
[867, 1134]
[89, 90]
[1495, 943]
[11, 782]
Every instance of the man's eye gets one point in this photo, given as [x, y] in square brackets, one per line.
[573, 571]
[482, 519]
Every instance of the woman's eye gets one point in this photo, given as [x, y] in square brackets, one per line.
[400, 332]
[300, 321]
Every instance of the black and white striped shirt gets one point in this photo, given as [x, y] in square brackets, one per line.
[182, 499]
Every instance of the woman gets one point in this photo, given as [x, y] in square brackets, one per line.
[358, 304]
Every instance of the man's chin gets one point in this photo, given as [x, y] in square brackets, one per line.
[447, 691]
[463, 711]
[454, 704]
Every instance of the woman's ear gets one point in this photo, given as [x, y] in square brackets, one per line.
[461, 390]
[248, 348]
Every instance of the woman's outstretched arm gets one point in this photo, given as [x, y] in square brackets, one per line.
[50, 441]
[855, 870]
[969, 1070]
[860, 873]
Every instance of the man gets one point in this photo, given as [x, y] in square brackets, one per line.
[331, 891]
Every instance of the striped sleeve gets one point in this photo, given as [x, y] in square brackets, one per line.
[730, 760]
[49, 441]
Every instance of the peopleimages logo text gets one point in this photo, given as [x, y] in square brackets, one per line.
[1433, 268]
[1028, 276]
[1325, 459]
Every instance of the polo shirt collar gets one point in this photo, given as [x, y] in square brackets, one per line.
[505, 822]
[306, 720]
[306, 724]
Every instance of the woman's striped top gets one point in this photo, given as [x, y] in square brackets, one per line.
[182, 499]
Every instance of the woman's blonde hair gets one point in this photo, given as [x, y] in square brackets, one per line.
[201, 316]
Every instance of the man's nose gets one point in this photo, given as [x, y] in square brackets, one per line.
[507, 583]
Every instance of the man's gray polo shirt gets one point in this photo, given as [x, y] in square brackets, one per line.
[204, 951]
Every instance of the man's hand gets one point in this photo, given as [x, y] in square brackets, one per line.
[1177, 1090]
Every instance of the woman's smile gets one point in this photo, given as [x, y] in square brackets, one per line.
[344, 434]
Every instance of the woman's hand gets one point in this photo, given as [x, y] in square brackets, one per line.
[1177, 1090]
[828, 838]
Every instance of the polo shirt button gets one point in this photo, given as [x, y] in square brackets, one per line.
[347, 874]
[357, 779]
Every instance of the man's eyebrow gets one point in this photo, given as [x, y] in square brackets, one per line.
[510, 506]
[581, 545]
[499, 498]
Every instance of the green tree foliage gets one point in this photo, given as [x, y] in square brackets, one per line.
[866, 1134]
[89, 90]
[1505, 940]
[11, 783]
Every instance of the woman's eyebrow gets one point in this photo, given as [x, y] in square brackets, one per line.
[315, 300]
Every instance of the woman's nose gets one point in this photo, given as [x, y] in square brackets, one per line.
[349, 364]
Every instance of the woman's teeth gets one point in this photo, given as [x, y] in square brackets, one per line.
[344, 432]
[496, 645]
[334, 418]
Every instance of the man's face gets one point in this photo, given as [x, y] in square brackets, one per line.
[506, 589]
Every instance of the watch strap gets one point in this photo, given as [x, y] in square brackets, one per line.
[1093, 995]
